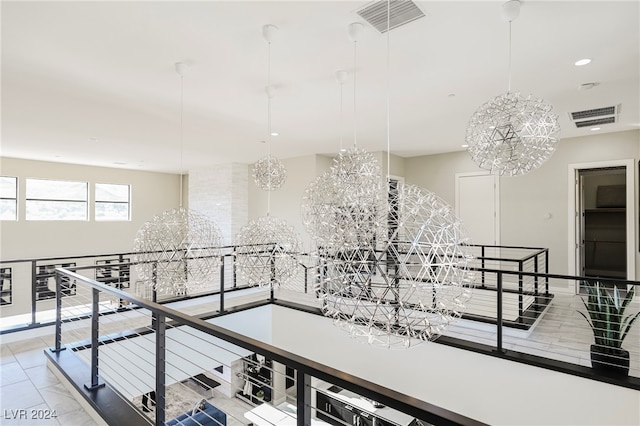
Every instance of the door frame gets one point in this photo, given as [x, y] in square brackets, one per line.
[496, 198]
[573, 211]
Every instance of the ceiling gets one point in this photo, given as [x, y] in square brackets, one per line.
[94, 82]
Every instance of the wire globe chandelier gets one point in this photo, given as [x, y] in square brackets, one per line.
[268, 172]
[339, 206]
[512, 134]
[267, 248]
[178, 251]
[407, 284]
[267, 253]
[395, 269]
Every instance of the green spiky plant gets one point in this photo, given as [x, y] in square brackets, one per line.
[606, 316]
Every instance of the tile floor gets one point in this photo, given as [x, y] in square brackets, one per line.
[26, 383]
[29, 389]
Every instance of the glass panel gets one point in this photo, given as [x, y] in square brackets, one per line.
[112, 211]
[8, 210]
[112, 192]
[56, 210]
[8, 187]
[44, 189]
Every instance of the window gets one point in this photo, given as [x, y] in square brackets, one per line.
[56, 200]
[112, 202]
[8, 198]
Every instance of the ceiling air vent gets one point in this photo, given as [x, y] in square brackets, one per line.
[595, 117]
[401, 12]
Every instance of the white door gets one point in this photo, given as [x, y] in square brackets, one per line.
[477, 205]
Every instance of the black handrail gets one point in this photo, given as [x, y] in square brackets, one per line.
[304, 366]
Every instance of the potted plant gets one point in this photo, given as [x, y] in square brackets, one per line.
[606, 316]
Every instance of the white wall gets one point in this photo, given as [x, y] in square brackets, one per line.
[525, 200]
[220, 192]
[301, 171]
[286, 201]
[461, 381]
[151, 193]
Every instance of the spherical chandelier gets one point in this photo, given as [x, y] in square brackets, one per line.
[339, 207]
[177, 252]
[407, 285]
[267, 249]
[267, 253]
[397, 273]
[269, 173]
[512, 135]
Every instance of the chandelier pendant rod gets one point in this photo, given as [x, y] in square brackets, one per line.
[388, 95]
[355, 125]
[181, 132]
[341, 117]
[509, 85]
[268, 91]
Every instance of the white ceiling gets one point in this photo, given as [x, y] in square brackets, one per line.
[94, 82]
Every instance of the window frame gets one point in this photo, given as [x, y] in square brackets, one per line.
[97, 201]
[85, 201]
[14, 199]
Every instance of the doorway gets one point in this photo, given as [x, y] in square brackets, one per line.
[603, 239]
[601, 218]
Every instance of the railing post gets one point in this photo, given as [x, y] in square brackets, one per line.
[535, 279]
[273, 278]
[546, 272]
[159, 322]
[483, 265]
[235, 277]
[95, 324]
[520, 290]
[499, 315]
[185, 263]
[154, 282]
[536, 301]
[34, 283]
[222, 284]
[58, 337]
[306, 279]
[303, 399]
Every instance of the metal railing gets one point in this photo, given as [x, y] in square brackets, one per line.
[148, 351]
[548, 326]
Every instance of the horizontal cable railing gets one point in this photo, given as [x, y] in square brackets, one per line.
[27, 296]
[168, 365]
[512, 311]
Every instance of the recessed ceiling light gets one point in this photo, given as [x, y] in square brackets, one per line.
[274, 133]
[465, 146]
[593, 129]
[582, 62]
[119, 163]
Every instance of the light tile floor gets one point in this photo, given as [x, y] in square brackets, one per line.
[26, 383]
[29, 389]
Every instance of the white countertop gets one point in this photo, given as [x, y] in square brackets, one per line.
[268, 415]
[361, 403]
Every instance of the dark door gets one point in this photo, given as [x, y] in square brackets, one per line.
[603, 229]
